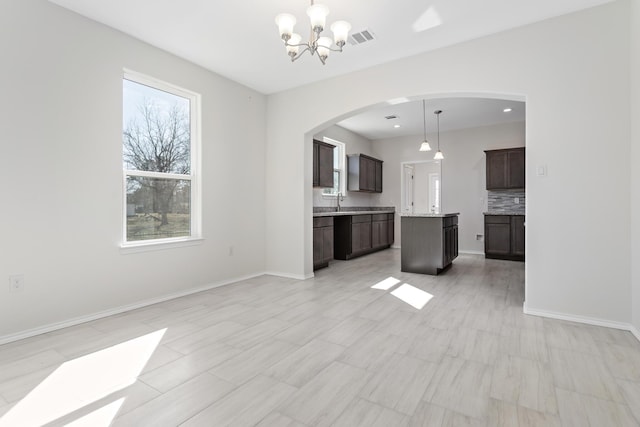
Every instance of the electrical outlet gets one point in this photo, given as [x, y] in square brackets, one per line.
[479, 237]
[16, 282]
[516, 200]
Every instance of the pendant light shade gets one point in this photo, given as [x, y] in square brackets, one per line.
[439, 155]
[425, 144]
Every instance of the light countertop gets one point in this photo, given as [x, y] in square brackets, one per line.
[504, 213]
[344, 213]
[430, 215]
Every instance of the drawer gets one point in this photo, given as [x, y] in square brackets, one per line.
[355, 219]
[380, 217]
[497, 219]
[323, 221]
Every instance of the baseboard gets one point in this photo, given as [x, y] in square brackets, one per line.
[471, 252]
[580, 319]
[635, 332]
[396, 247]
[118, 310]
[289, 275]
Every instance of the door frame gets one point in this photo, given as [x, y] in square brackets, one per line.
[403, 183]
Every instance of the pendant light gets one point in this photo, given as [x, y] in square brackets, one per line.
[425, 144]
[439, 155]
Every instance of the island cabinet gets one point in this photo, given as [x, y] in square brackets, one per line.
[322, 164]
[505, 169]
[357, 235]
[429, 243]
[504, 237]
[322, 241]
[364, 173]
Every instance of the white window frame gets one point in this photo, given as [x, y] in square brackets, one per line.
[342, 168]
[194, 176]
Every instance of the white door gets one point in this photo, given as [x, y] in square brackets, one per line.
[407, 191]
[434, 192]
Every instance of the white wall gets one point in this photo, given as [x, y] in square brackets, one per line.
[354, 144]
[635, 160]
[61, 165]
[463, 172]
[574, 72]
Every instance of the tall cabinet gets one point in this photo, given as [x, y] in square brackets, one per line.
[504, 232]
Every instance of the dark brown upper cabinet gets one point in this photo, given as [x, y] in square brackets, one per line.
[365, 173]
[322, 164]
[505, 168]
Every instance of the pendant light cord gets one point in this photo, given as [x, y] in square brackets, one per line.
[424, 119]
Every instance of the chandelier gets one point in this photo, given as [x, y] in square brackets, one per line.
[321, 45]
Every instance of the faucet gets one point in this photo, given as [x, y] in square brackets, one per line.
[338, 201]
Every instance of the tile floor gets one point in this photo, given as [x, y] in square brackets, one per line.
[330, 351]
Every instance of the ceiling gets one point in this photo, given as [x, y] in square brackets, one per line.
[239, 39]
[457, 113]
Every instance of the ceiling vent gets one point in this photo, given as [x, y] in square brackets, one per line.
[361, 37]
[391, 117]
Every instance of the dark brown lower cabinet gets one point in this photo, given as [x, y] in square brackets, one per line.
[380, 230]
[322, 241]
[357, 235]
[504, 237]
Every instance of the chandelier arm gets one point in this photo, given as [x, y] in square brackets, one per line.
[299, 54]
[297, 45]
[335, 50]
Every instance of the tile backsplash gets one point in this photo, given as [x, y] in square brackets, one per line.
[504, 201]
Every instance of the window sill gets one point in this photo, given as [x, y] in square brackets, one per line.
[137, 247]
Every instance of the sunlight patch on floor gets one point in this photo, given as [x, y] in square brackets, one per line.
[386, 284]
[102, 417]
[413, 296]
[82, 381]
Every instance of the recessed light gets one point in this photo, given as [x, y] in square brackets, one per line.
[396, 126]
[507, 110]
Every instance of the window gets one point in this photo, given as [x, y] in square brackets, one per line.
[160, 146]
[339, 169]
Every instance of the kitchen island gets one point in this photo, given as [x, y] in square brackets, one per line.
[429, 242]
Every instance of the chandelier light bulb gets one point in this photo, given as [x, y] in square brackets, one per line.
[438, 156]
[292, 49]
[324, 46]
[340, 31]
[425, 146]
[318, 16]
[285, 23]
